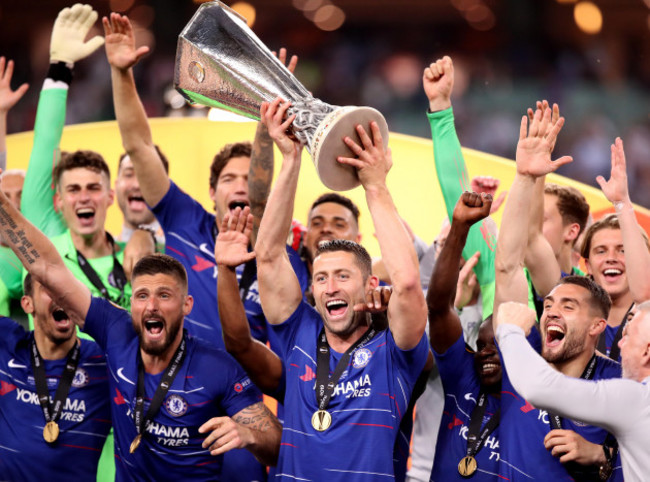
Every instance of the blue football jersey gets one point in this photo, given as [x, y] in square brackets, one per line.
[84, 423]
[209, 384]
[367, 404]
[462, 387]
[523, 428]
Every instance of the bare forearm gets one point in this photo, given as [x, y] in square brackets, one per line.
[636, 250]
[261, 364]
[264, 431]
[136, 136]
[260, 176]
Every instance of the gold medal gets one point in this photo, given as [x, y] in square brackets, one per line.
[321, 420]
[135, 444]
[467, 466]
[51, 431]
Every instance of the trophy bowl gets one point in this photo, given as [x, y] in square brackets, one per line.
[221, 63]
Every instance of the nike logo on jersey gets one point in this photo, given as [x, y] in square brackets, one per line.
[468, 396]
[203, 247]
[13, 364]
[6, 387]
[119, 374]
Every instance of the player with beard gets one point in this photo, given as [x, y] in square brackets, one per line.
[619, 406]
[608, 244]
[536, 444]
[77, 429]
[192, 411]
[471, 380]
[346, 427]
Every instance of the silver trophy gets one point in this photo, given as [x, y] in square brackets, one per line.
[221, 63]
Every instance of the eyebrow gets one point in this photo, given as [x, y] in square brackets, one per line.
[563, 300]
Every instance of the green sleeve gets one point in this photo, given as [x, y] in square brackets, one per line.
[37, 204]
[454, 179]
[4, 299]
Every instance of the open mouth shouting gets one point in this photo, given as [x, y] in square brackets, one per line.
[86, 216]
[240, 203]
[136, 202]
[62, 321]
[554, 335]
[154, 327]
[336, 308]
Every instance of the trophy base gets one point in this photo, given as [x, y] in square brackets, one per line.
[328, 144]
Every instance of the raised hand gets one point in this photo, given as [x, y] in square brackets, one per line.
[372, 161]
[467, 282]
[8, 97]
[376, 300]
[616, 188]
[517, 314]
[489, 185]
[438, 83]
[536, 143]
[273, 117]
[120, 42]
[543, 105]
[70, 29]
[231, 246]
[282, 57]
[472, 207]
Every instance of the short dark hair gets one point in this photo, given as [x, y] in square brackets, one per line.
[28, 285]
[571, 204]
[159, 263]
[600, 300]
[237, 149]
[334, 197]
[608, 222]
[360, 254]
[90, 160]
[162, 156]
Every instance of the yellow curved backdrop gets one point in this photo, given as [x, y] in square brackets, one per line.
[190, 145]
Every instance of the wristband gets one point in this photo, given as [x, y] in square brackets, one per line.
[150, 230]
[60, 71]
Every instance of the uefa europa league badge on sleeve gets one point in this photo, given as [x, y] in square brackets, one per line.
[221, 63]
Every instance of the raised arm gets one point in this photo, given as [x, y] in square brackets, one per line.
[542, 264]
[260, 173]
[131, 117]
[67, 46]
[634, 244]
[254, 428]
[42, 260]
[438, 83]
[230, 250]
[444, 324]
[8, 98]
[280, 292]
[407, 308]
[533, 160]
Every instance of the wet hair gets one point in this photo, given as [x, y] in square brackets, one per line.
[90, 160]
[28, 285]
[571, 204]
[608, 222]
[361, 256]
[599, 298]
[159, 263]
[237, 149]
[162, 156]
[333, 197]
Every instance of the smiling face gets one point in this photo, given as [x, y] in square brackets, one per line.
[568, 324]
[129, 196]
[337, 286]
[231, 190]
[83, 197]
[487, 362]
[158, 306]
[328, 221]
[606, 262]
[49, 318]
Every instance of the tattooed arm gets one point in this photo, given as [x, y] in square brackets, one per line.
[260, 175]
[254, 428]
[42, 260]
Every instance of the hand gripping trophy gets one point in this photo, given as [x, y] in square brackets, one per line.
[221, 63]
